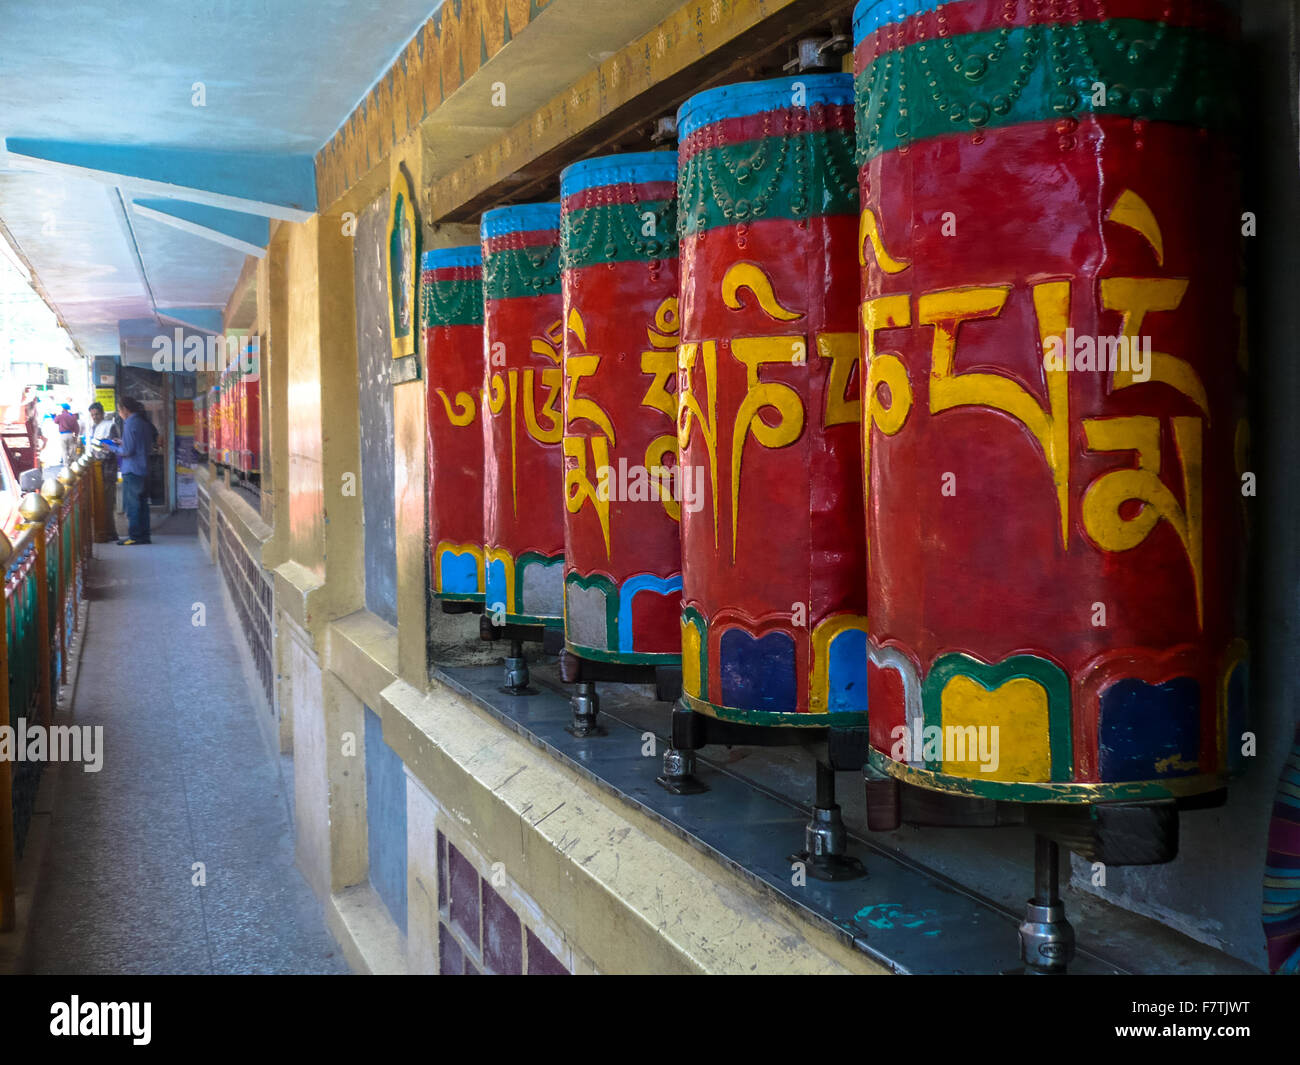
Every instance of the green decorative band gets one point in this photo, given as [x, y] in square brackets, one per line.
[804, 176]
[450, 302]
[620, 233]
[770, 717]
[594, 654]
[610, 591]
[1083, 793]
[533, 619]
[513, 272]
[1119, 67]
[459, 597]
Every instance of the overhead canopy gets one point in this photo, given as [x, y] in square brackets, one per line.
[146, 146]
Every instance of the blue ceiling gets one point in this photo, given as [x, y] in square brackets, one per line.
[128, 199]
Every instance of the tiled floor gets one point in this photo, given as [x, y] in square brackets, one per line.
[187, 777]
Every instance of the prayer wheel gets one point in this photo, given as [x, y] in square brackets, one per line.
[623, 497]
[523, 506]
[451, 291]
[1054, 429]
[773, 557]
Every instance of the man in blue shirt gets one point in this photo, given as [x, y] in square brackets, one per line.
[138, 436]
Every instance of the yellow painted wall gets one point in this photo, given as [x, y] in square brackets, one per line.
[304, 433]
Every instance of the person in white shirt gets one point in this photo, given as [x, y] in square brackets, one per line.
[101, 426]
[104, 428]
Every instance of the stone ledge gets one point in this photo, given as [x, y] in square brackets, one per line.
[361, 651]
[370, 941]
[632, 897]
[296, 588]
[248, 523]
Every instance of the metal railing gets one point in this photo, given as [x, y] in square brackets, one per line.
[44, 581]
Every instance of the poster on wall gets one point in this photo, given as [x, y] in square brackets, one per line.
[187, 489]
[106, 398]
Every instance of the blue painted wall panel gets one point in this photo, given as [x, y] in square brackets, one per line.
[386, 819]
[374, 358]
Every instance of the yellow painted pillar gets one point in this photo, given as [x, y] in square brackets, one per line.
[272, 312]
[344, 535]
[409, 487]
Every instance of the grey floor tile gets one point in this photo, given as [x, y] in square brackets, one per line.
[186, 777]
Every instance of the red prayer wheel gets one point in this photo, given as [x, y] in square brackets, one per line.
[250, 420]
[523, 509]
[622, 494]
[451, 290]
[773, 559]
[1051, 320]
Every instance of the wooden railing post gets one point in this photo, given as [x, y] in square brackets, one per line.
[70, 478]
[90, 477]
[55, 494]
[102, 519]
[35, 510]
[79, 467]
[95, 471]
[7, 861]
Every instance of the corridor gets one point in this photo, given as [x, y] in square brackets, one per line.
[186, 777]
[684, 487]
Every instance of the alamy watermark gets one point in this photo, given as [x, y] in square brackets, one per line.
[58, 743]
[77, 1018]
[1076, 354]
[643, 484]
[947, 744]
[191, 352]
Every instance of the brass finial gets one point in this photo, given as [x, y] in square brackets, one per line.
[34, 508]
[52, 490]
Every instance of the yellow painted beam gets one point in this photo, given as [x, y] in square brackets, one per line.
[445, 51]
[690, 34]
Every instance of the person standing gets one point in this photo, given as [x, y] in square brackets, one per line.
[102, 427]
[104, 431]
[138, 435]
[50, 448]
[69, 426]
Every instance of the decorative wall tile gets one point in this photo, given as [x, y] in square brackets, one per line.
[541, 962]
[503, 946]
[464, 884]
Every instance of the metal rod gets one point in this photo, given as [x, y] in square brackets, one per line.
[1047, 871]
[825, 786]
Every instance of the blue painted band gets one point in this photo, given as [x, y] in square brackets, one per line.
[646, 582]
[755, 97]
[523, 218]
[870, 15]
[467, 255]
[258, 178]
[634, 168]
[250, 228]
